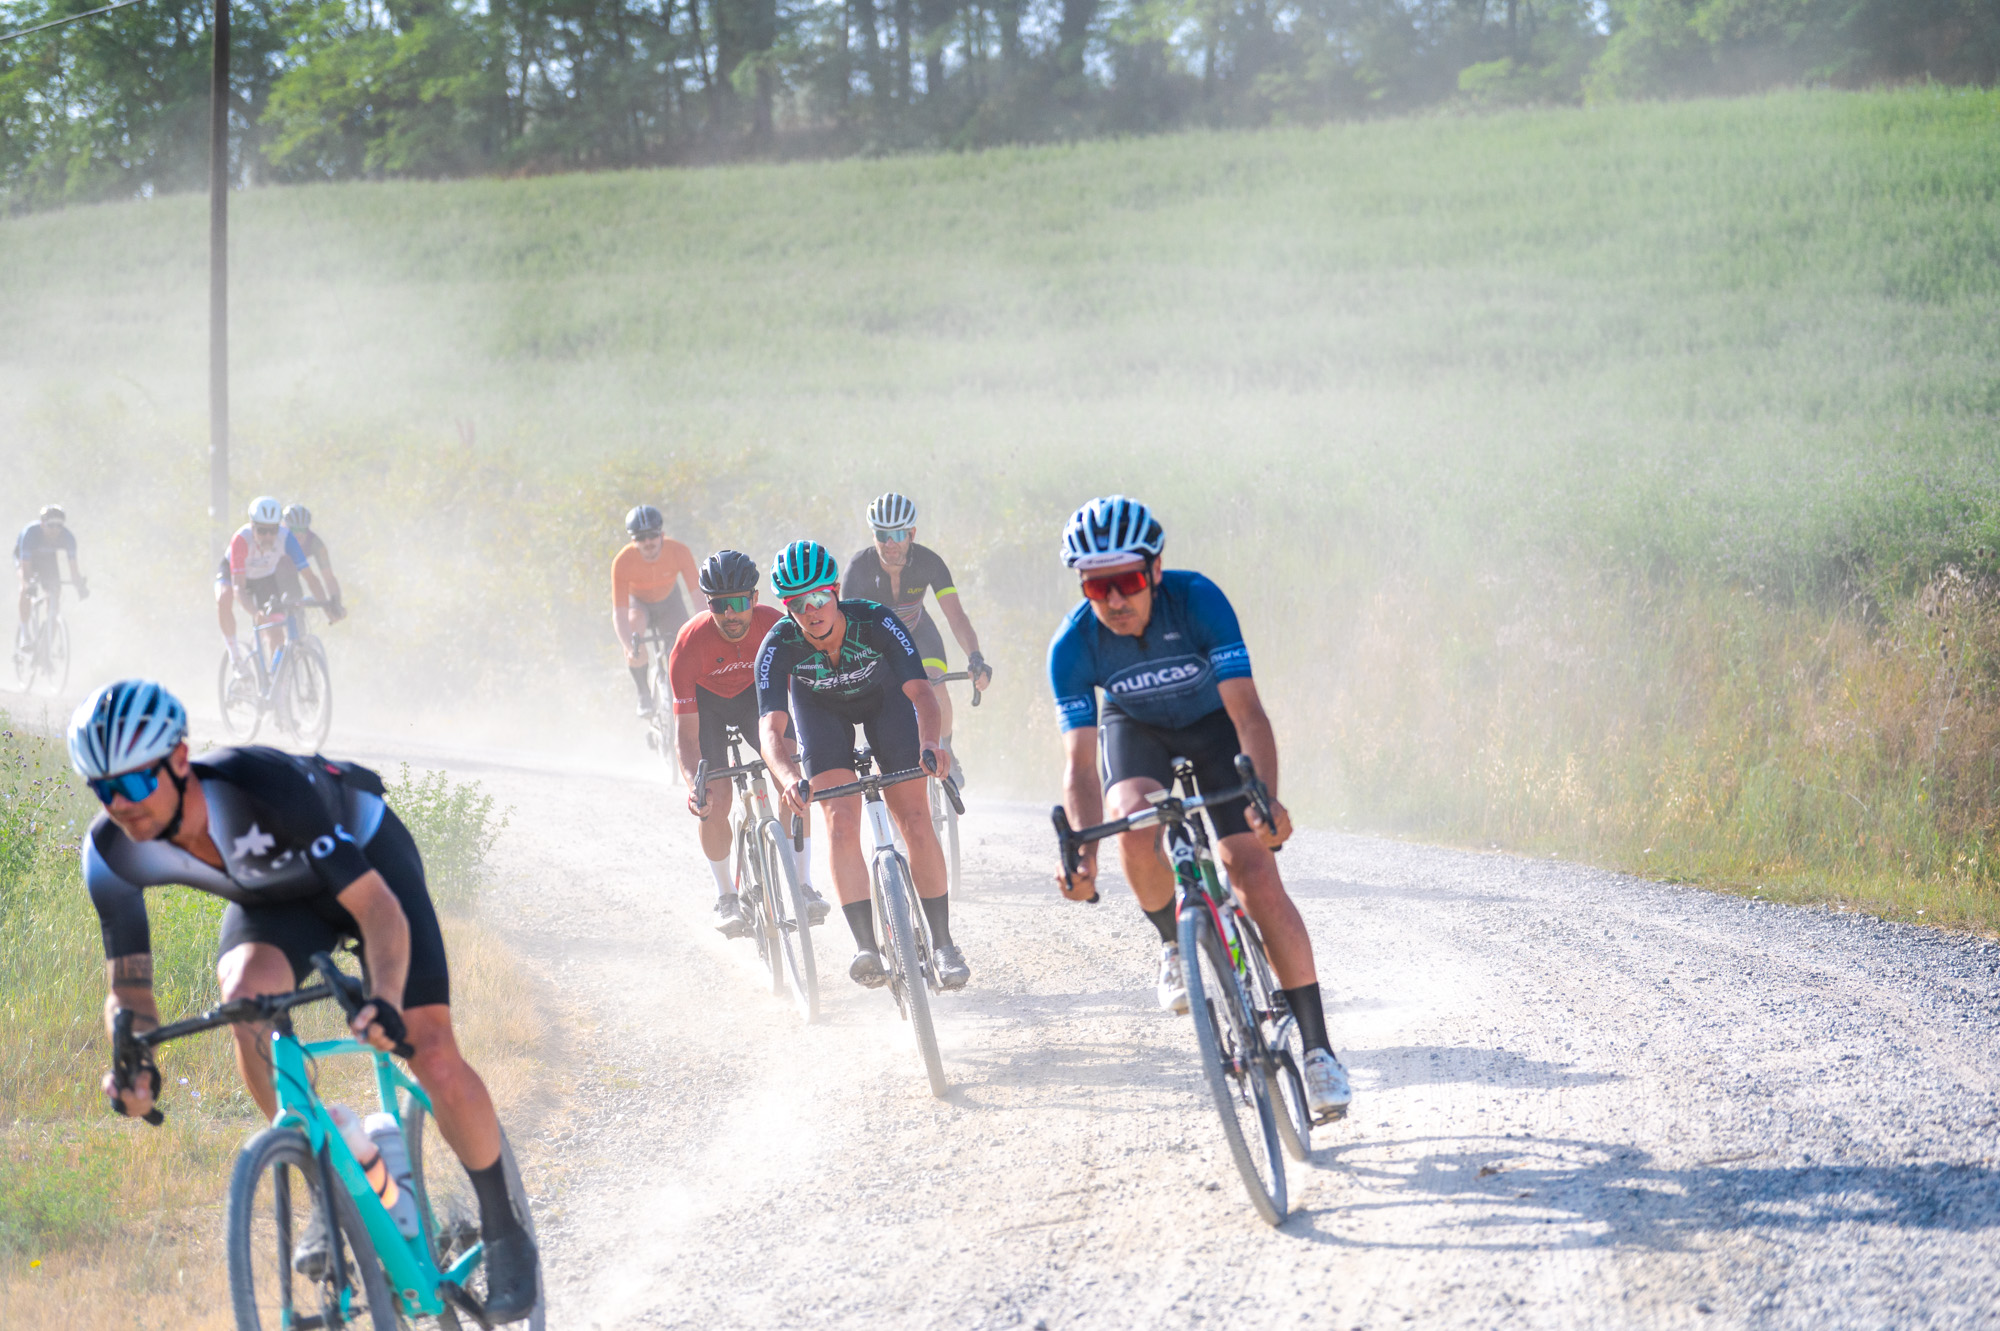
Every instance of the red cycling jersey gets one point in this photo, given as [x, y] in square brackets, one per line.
[703, 658]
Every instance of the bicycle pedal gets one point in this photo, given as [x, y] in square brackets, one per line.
[461, 1298]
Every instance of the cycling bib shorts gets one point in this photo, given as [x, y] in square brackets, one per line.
[1128, 748]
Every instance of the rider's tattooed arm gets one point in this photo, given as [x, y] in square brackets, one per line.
[130, 979]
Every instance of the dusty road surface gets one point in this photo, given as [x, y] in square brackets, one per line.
[1582, 1100]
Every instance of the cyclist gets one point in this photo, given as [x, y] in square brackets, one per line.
[248, 573]
[298, 524]
[829, 666]
[1165, 647]
[646, 581]
[35, 556]
[308, 855]
[896, 571]
[710, 670]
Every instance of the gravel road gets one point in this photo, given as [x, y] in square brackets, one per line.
[1582, 1100]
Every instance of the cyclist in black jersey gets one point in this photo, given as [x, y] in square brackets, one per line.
[830, 666]
[308, 855]
[35, 551]
[896, 571]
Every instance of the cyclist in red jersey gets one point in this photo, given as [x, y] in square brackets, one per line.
[711, 670]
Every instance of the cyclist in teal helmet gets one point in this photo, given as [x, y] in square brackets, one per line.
[830, 666]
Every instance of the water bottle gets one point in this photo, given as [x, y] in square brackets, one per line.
[387, 1135]
[391, 1184]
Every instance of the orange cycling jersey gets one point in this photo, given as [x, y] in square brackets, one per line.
[704, 659]
[632, 578]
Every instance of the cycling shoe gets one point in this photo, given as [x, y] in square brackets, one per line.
[1172, 988]
[1327, 1094]
[866, 969]
[817, 908]
[952, 972]
[513, 1274]
[730, 921]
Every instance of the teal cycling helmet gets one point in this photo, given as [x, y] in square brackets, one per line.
[802, 566]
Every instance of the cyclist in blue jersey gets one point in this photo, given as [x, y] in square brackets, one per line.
[1165, 648]
[827, 667]
[35, 558]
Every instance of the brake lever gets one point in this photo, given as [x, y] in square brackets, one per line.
[347, 993]
[1259, 793]
[1072, 854]
[125, 1052]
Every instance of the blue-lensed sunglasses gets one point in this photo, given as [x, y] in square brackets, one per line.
[134, 786]
[894, 535]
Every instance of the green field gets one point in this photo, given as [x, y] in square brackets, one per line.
[1587, 479]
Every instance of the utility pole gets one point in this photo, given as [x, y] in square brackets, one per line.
[218, 281]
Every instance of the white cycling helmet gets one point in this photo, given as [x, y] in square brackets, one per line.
[124, 727]
[266, 511]
[1111, 530]
[891, 512]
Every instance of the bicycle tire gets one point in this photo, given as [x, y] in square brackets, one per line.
[308, 682]
[1227, 1034]
[764, 914]
[1281, 1037]
[239, 683]
[912, 987]
[57, 659]
[26, 646]
[451, 1212]
[287, 1149]
[801, 966]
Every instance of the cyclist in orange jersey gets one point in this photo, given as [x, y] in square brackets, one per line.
[644, 595]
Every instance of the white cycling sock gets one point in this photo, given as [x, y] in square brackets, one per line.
[720, 868]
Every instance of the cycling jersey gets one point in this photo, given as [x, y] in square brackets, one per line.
[251, 560]
[634, 579]
[876, 655]
[867, 580]
[36, 546]
[702, 658]
[1165, 677]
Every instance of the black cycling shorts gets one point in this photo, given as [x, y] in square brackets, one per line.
[667, 615]
[826, 737]
[263, 593]
[43, 570]
[301, 928]
[717, 714]
[930, 644]
[1128, 748]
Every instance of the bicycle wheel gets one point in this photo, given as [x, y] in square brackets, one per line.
[272, 1195]
[753, 877]
[241, 700]
[450, 1210]
[55, 665]
[1282, 1040]
[913, 992]
[801, 966]
[1231, 1059]
[308, 693]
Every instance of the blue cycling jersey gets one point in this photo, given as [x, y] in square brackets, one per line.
[1166, 676]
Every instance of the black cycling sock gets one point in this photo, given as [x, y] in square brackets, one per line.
[861, 919]
[1164, 920]
[1305, 1005]
[496, 1209]
[639, 678]
[937, 910]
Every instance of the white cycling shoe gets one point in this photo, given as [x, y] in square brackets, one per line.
[1172, 989]
[1327, 1093]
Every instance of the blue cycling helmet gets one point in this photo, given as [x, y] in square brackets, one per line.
[802, 566]
[125, 727]
[1111, 530]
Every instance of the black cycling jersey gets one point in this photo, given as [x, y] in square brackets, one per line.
[867, 580]
[290, 829]
[876, 656]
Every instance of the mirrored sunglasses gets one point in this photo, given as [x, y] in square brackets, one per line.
[813, 600]
[895, 535]
[1129, 583]
[734, 605]
[134, 786]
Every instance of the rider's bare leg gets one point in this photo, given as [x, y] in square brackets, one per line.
[250, 970]
[1253, 874]
[910, 805]
[842, 819]
[715, 828]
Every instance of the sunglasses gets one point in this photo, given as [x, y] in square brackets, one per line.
[1129, 583]
[134, 786]
[259, 529]
[734, 605]
[813, 600]
[895, 535]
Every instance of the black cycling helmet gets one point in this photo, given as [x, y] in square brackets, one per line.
[729, 573]
[53, 511]
[645, 520]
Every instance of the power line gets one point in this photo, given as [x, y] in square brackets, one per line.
[58, 22]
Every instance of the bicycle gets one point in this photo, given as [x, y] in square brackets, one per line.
[912, 976]
[767, 879]
[372, 1275]
[660, 724]
[41, 650]
[1246, 1033]
[944, 813]
[290, 683]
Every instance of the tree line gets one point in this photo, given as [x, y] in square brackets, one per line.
[116, 106]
